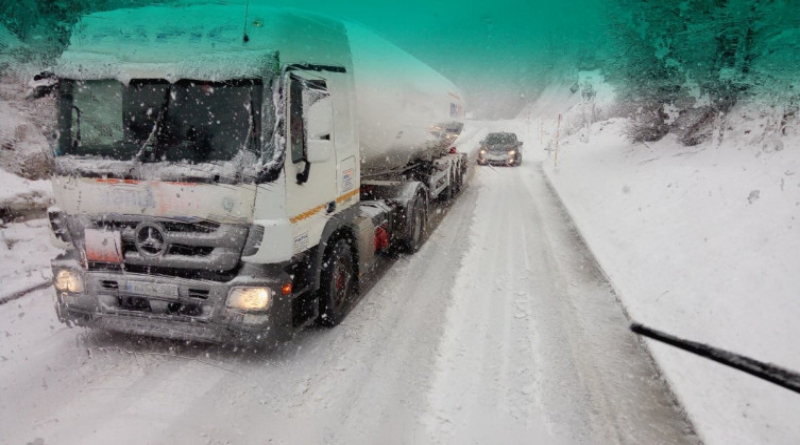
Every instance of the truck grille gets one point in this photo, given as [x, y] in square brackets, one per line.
[139, 304]
[191, 248]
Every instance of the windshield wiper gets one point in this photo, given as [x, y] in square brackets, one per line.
[77, 142]
[152, 140]
[766, 371]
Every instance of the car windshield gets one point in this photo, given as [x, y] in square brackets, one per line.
[501, 139]
[187, 121]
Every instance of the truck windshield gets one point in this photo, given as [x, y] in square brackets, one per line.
[187, 121]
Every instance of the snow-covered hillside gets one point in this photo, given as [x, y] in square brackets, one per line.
[24, 124]
[701, 242]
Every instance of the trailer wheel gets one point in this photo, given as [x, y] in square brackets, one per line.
[449, 192]
[459, 182]
[417, 226]
[338, 283]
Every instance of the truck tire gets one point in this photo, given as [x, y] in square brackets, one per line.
[459, 182]
[449, 192]
[417, 226]
[337, 283]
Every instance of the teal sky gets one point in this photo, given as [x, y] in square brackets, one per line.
[503, 52]
[496, 51]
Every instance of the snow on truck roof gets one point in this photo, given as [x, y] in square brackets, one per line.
[206, 42]
[197, 42]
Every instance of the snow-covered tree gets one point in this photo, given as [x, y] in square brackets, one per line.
[674, 53]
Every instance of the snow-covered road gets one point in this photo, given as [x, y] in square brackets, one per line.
[535, 343]
[501, 329]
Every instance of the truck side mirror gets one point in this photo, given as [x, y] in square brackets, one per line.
[311, 123]
[43, 84]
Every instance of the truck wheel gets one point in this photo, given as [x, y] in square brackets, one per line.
[337, 283]
[459, 181]
[417, 226]
[448, 193]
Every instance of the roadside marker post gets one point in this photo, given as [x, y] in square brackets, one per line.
[558, 133]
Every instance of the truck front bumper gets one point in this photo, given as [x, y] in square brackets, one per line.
[172, 307]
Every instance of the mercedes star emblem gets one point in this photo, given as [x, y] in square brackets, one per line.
[150, 240]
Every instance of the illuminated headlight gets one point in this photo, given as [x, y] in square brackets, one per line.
[249, 298]
[69, 281]
[512, 152]
[483, 151]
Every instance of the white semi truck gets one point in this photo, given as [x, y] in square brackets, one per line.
[232, 174]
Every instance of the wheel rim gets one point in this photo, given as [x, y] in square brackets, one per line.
[417, 234]
[341, 282]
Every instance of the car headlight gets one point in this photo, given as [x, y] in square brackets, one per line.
[512, 152]
[249, 298]
[69, 281]
[483, 151]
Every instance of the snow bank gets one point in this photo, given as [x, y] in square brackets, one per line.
[26, 255]
[579, 103]
[23, 149]
[23, 146]
[23, 124]
[19, 194]
[700, 242]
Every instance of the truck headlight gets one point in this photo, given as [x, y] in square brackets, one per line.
[249, 298]
[68, 281]
[512, 152]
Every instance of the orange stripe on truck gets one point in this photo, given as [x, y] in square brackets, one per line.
[112, 181]
[309, 213]
[347, 196]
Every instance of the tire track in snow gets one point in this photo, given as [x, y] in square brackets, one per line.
[483, 385]
[74, 386]
[536, 345]
[362, 382]
[626, 399]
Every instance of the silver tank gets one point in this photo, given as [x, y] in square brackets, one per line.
[407, 111]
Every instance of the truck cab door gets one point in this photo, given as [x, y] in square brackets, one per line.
[311, 157]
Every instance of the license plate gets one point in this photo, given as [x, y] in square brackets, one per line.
[103, 246]
[150, 289]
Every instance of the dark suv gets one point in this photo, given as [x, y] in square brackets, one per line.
[500, 149]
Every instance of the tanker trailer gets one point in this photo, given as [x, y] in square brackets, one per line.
[233, 185]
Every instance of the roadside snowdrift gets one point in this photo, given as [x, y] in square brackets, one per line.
[23, 146]
[587, 99]
[700, 242]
